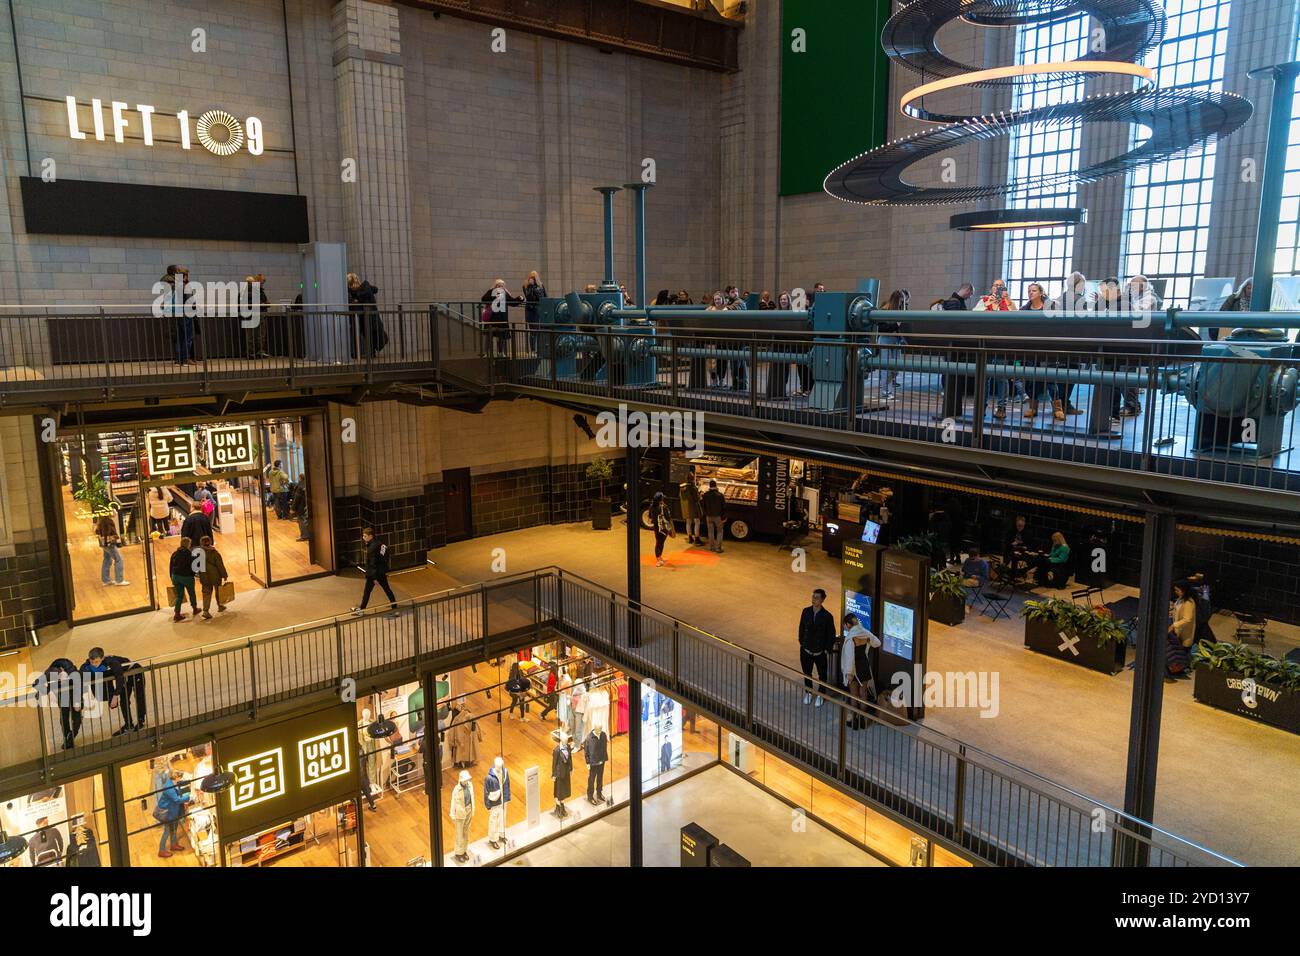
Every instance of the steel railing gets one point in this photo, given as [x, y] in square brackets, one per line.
[104, 352]
[1213, 412]
[996, 811]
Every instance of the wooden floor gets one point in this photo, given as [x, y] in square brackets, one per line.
[290, 559]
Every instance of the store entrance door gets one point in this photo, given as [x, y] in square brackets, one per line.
[254, 508]
[457, 507]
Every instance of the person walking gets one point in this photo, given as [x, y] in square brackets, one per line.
[714, 504]
[197, 525]
[816, 638]
[661, 520]
[278, 480]
[169, 811]
[689, 498]
[110, 545]
[212, 575]
[376, 571]
[160, 510]
[181, 568]
[518, 687]
[552, 699]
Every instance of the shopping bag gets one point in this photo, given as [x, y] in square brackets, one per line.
[171, 595]
[226, 592]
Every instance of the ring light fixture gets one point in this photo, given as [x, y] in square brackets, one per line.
[219, 133]
[1005, 220]
[1177, 120]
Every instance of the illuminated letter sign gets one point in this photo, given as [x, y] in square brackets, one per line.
[218, 131]
[286, 769]
[230, 446]
[170, 452]
[257, 779]
[323, 757]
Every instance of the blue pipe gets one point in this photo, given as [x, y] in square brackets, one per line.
[1270, 193]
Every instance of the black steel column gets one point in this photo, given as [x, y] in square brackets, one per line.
[1156, 583]
[632, 470]
[635, 853]
[433, 770]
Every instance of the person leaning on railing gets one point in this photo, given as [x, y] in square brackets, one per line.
[996, 300]
[1074, 298]
[1239, 301]
[1037, 302]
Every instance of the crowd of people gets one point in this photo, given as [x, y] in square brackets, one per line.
[368, 335]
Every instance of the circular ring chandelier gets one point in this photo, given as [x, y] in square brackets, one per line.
[1178, 120]
[219, 132]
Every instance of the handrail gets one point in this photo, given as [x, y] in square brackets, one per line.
[375, 652]
[950, 745]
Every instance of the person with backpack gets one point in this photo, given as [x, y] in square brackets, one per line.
[61, 681]
[169, 811]
[212, 576]
[181, 568]
[376, 569]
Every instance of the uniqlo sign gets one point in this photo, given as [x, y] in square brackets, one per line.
[285, 770]
[170, 452]
[230, 446]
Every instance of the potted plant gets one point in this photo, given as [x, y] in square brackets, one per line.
[1248, 683]
[92, 491]
[926, 545]
[1088, 636]
[947, 603]
[600, 471]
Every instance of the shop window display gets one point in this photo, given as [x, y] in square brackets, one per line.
[394, 776]
[321, 838]
[528, 746]
[62, 826]
[674, 740]
[170, 821]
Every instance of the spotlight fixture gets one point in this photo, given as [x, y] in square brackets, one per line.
[1178, 120]
[381, 728]
[218, 782]
[1007, 220]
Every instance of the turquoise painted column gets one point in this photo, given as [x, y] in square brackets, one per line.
[1270, 194]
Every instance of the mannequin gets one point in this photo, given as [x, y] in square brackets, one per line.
[564, 710]
[561, 768]
[578, 726]
[496, 794]
[461, 812]
[595, 751]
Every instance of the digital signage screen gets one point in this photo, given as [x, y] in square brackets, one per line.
[860, 605]
[871, 532]
[898, 630]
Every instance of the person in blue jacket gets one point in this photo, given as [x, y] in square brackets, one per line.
[169, 811]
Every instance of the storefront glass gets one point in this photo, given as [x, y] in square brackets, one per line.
[121, 513]
[322, 838]
[64, 825]
[394, 777]
[557, 721]
[674, 739]
[170, 821]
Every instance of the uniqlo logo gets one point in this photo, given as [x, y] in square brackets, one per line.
[257, 778]
[230, 446]
[170, 452]
[323, 757]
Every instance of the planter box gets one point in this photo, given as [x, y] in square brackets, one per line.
[1043, 637]
[1268, 705]
[601, 514]
[947, 609]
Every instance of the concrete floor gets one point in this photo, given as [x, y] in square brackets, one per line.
[1064, 722]
[753, 823]
[1061, 721]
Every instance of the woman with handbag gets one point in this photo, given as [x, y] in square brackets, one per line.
[661, 519]
[855, 665]
[212, 576]
[518, 686]
[1181, 634]
[169, 811]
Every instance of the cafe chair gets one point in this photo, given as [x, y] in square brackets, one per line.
[996, 597]
[1085, 596]
[1250, 628]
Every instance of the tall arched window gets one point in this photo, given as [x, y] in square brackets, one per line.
[1044, 255]
[1167, 208]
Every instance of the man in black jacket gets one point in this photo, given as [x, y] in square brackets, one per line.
[117, 678]
[376, 571]
[957, 301]
[197, 526]
[714, 504]
[816, 638]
